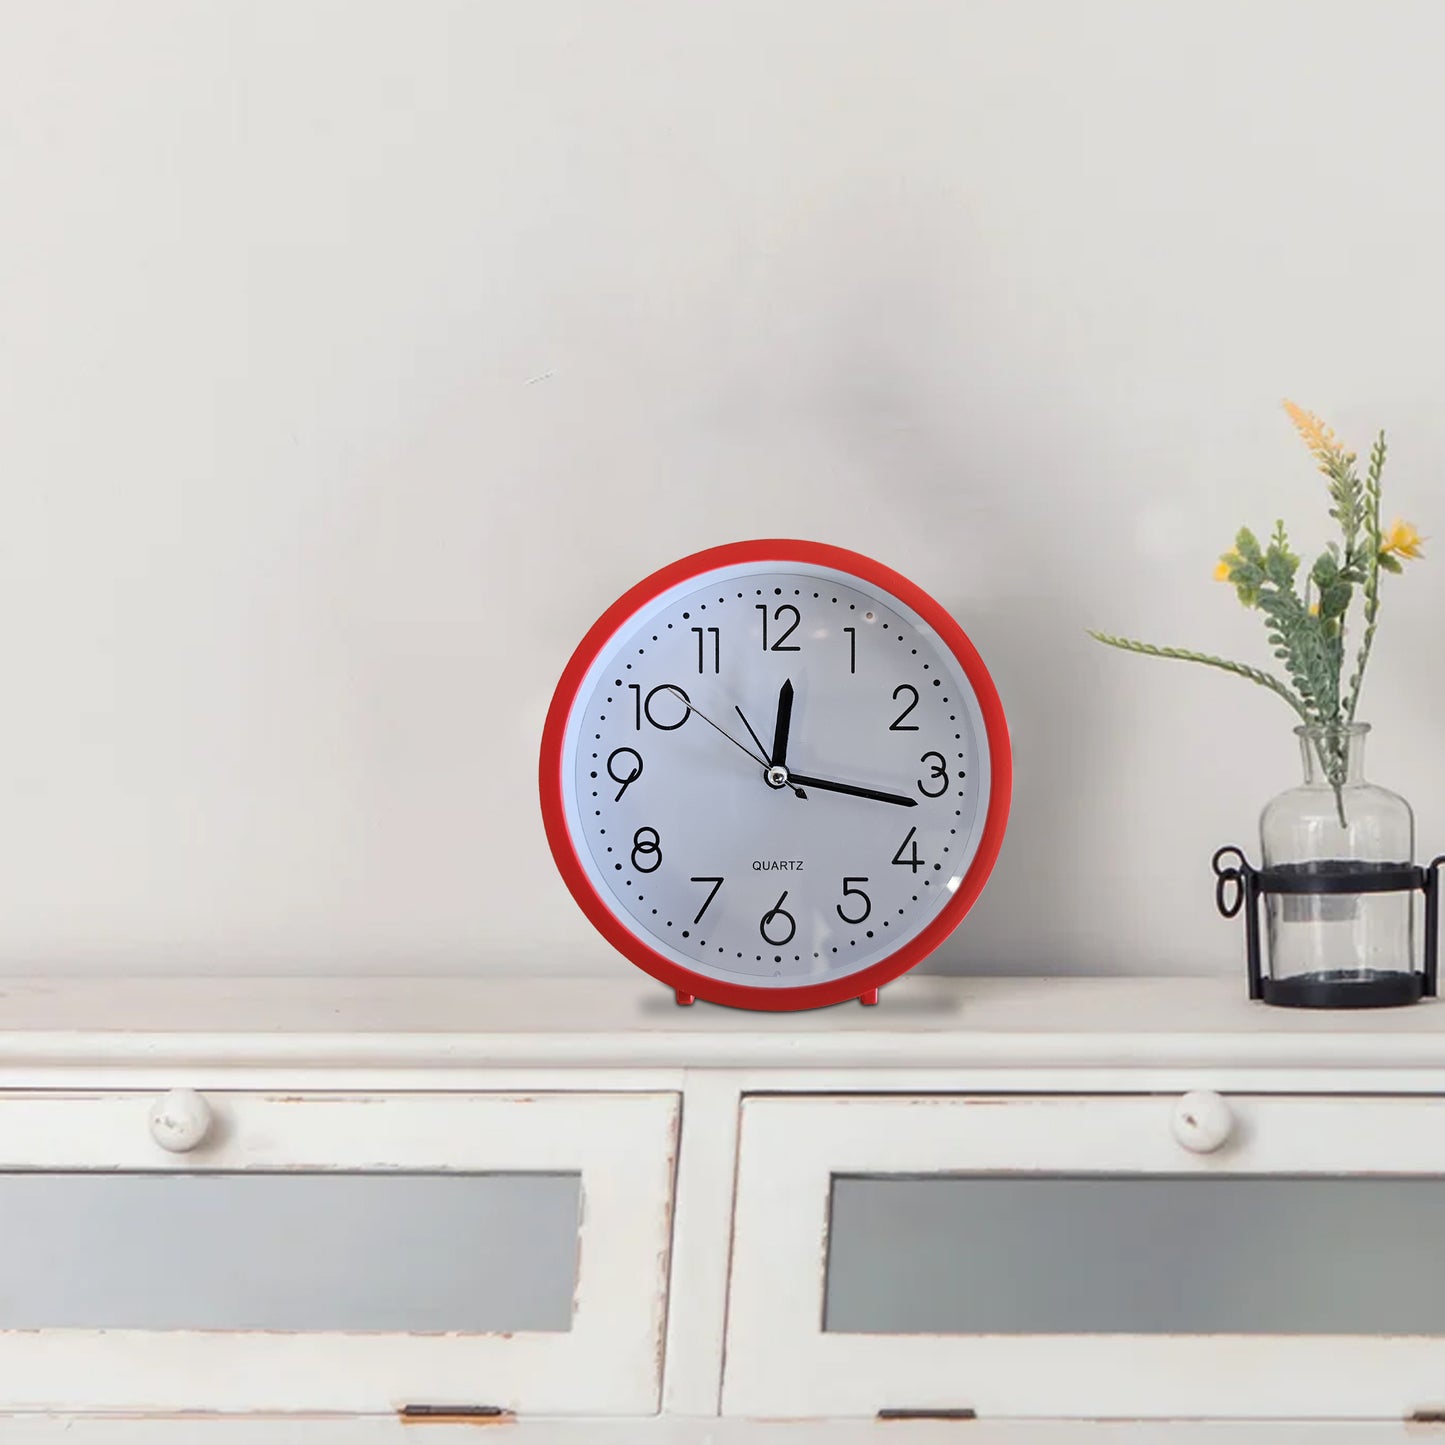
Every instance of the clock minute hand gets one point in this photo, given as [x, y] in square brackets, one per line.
[853, 791]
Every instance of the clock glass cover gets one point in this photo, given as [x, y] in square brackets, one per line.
[775, 774]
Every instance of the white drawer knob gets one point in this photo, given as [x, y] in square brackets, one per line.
[180, 1120]
[1202, 1121]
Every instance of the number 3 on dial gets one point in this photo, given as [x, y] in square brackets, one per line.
[740, 839]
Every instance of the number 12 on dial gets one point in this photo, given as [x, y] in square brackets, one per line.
[775, 775]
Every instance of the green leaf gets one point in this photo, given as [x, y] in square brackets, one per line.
[1325, 571]
[1335, 599]
[1239, 669]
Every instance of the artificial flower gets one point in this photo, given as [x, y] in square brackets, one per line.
[1402, 540]
[1317, 436]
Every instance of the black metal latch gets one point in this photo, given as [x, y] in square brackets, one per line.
[937, 1413]
[455, 1414]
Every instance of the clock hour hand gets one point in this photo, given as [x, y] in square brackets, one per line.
[875, 793]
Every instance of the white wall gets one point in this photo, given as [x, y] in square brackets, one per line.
[354, 356]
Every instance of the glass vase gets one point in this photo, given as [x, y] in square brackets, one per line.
[1350, 946]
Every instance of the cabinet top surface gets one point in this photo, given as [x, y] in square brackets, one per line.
[920, 1022]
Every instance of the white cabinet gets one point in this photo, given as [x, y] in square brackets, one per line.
[1058, 1256]
[357, 1252]
[277, 1205]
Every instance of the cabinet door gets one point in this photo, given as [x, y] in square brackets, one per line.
[1068, 1256]
[347, 1253]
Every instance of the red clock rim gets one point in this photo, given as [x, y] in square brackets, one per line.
[738, 995]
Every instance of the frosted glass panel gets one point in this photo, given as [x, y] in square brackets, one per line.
[1065, 1254]
[292, 1251]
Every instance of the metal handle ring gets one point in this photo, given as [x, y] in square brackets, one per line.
[1228, 903]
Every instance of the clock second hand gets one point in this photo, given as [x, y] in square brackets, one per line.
[757, 757]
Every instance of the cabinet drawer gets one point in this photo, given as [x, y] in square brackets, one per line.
[1097, 1257]
[251, 1252]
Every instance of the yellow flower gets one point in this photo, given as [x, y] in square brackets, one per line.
[1317, 436]
[1225, 564]
[1314, 609]
[1402, 540]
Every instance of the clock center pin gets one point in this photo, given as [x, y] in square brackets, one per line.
[777, 777]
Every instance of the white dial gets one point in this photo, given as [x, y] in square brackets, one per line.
[776, 774]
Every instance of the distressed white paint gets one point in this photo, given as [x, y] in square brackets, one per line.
[626, 1022]
[607, 1363]
[674, 1430]
[780, 1362]
[445, 1065]
[702, 1244]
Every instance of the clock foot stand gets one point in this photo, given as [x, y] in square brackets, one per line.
[685, 998]
[868, 996]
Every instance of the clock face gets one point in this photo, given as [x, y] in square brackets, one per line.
[775, 774]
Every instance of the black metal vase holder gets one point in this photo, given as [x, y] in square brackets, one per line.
[1239, 885]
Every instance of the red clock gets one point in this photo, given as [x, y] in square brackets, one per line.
[775, 775]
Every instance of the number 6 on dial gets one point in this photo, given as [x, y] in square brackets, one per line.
[826, 694]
